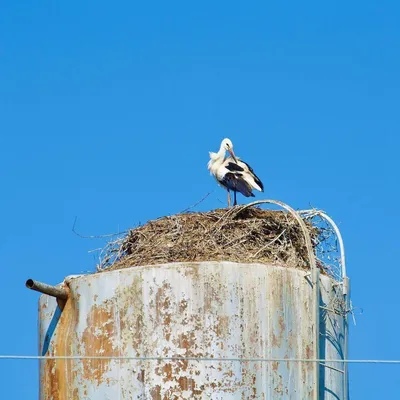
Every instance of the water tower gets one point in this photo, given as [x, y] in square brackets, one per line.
[205, 311]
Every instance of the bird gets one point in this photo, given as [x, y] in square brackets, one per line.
[232, 173]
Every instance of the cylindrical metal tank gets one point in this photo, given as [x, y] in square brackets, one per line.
[200, 310]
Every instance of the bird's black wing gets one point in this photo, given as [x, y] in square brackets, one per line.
[234, 167]
[256, 178]
[235, 181]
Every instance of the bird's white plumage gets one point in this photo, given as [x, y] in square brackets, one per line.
[231, 172]
[216, 163]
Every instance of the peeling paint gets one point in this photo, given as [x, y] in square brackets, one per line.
[210, 309]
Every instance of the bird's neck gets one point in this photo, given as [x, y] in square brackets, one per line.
[221, 154]
[220, 157]
[216, 160]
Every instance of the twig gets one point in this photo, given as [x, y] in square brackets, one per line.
[94, 250]
[268, 244]
[195, 204]
[95, 236]
[236, 239]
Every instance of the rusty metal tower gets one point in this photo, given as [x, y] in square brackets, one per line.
[198, 330]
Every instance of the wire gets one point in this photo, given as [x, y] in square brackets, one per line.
[126, 358]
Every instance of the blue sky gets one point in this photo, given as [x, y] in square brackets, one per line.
[107, 113]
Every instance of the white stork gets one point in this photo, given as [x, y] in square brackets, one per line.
[233, 173]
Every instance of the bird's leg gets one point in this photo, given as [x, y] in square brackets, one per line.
[234, 197]
[229, 199]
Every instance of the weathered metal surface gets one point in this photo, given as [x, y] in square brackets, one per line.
[210, 309]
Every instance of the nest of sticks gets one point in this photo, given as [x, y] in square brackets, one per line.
[239, 234]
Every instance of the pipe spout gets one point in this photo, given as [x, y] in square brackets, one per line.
[54, 291]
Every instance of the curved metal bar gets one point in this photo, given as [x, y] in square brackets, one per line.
[346, 296]
[340, 239]
[345, 291]
[314, 278]
[325, 216]
[295, 214]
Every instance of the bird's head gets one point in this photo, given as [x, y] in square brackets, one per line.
[227, 145]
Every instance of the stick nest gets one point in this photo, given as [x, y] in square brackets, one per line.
[247, 235]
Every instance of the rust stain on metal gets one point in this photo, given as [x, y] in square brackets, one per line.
[308, 352]
[97, 340]
[222, 329]
[141, 376]
[131, 319]
[156, 393]
[183, 365]
[56, 384]
[187, 341]
[163, 312]
[186, 383]
[282, 325]
[52, 382]
[274, 342]
[183, 305]
[167, 371]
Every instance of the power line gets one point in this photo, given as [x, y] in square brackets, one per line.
[209, 359]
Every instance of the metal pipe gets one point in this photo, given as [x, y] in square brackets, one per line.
[322, 214]
[346, 290]
[346, 294]
[47, 289]
[315, 283]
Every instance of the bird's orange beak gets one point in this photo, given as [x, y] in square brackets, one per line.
[233, 155]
